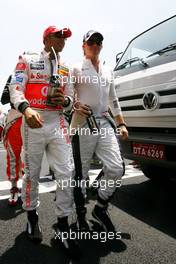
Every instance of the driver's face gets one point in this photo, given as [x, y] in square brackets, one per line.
[92, 49]
[57, 41]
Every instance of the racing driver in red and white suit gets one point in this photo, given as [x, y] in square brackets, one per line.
[43, 126]
[13, 144]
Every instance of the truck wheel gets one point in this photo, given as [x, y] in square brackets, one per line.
[156, 173]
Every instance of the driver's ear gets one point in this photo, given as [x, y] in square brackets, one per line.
[83, 45]
[47, 40]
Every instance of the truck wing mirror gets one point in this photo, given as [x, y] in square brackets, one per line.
[118, 56]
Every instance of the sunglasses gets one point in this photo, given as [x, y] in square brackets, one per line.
[92, 42]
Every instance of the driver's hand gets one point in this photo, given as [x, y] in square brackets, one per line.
[82, 109]
[33, 118]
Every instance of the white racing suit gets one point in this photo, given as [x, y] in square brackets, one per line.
[29, 86]
[97, 90]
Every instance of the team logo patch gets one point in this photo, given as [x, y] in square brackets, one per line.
[18, 88]
[19, 79]
[39, 75]
[44, 91]
[20, 66]
[62, 70]
[37, 66]
[18, 72]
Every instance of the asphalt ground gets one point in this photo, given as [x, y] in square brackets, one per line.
[143, 211]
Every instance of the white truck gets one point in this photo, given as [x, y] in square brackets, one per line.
[145, 79]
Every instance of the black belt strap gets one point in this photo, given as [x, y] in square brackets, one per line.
[78, 195]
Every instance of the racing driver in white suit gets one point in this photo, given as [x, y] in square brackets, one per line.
[95, 91]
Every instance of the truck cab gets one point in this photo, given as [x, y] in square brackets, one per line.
[145, 81]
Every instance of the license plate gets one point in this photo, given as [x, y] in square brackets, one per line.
[149, 150]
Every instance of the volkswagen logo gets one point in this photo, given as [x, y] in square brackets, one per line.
[150, 101]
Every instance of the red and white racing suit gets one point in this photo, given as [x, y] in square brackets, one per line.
[29, 86]
[13, 145]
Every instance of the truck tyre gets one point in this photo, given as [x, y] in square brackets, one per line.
[156, 173]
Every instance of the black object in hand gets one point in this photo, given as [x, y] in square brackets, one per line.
[54, 84]
[92, 123]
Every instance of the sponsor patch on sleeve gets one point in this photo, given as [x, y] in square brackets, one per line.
[21, 66]
[19, 79]
[115, 104]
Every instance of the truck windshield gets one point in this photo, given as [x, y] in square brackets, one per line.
[155, 41]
